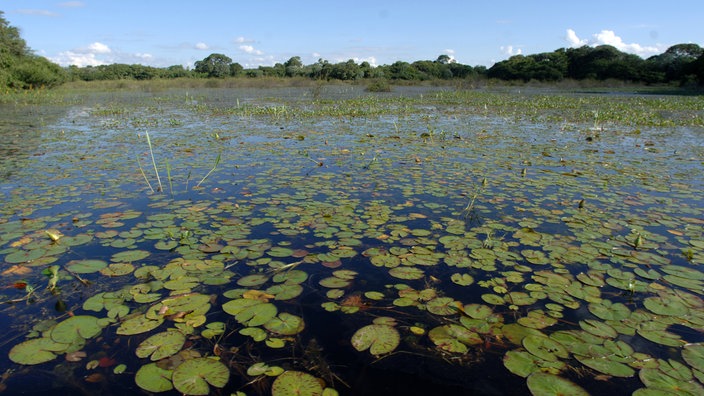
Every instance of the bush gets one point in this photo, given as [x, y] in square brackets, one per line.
[379, 86]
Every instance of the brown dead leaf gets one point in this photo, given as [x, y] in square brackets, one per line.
[17, 270]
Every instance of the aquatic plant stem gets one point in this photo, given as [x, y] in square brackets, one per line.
[168, 177]
[144, 175]
[217, 161]
[151, 152]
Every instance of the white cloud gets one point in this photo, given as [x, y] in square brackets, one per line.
[68, 58]
[97, 48]
[510, 51]
[96, 54]
[32, 11]
[573, 40]
[250, 50]
[242, 40]
[609, 37]
[201, 46]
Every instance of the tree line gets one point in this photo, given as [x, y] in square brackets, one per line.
[681, 64]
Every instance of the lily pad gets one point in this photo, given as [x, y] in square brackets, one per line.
[82, 326]
[693, 354]
[253, 280]
[153, 378]
[545, 348]
[36, 351]
[161, 345]
[379, 339]
[86, 266]
[296, 383]
[543, 384]
[193, 376]
[604, 364]
[285, 324]
[138, 324]
[250, 312]
[408, 273]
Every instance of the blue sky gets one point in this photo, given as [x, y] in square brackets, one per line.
[252, 32]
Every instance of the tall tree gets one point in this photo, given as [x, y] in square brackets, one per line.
[214, 65]
[19, 67]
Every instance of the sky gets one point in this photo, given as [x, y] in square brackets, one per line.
[162, 33]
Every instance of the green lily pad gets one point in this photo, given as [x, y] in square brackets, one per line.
[193, 376]
[117, 269]
[296, 383]
[285, 291]
[129, 256]
[161, 345]
[543, 384]
[250, 312]
[521, 363]
[657, 379]
[598, 328]
[441, 306]
[454, 338]
[285, 324]
[545, 348]
[408, 273]
[333, 282]
[280, 251]
[253, 280]
[379, 339]
[138, 324]
[82, 326]
[693, 354]
[606, 310]
[36, 351]
[257, 333]
[604, 364]
[666, 305]
[153, 378]
[86, 266]
[462, 279]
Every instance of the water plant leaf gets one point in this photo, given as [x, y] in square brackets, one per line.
[36, 351]
[81, 326]
[454, 338]
[153, 378]
[334, 282]
[138, 324]
[250, 312]
[193, 376]
[544, 348]
[604, 364]
[544, 384]
[86, 266]
[657, 379]
[408, 273]
[379, 339]
[693, 354]
[161, 345]
[285, 324]
[462, 279]
[253, 280]
[296, 383]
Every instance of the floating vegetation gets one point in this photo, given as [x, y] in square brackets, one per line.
[503, 242]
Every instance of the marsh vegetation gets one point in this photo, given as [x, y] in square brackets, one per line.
[332, 240]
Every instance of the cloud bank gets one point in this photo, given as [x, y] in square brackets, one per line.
[609, 37]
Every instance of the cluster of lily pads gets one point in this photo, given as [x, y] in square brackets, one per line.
[568, 261]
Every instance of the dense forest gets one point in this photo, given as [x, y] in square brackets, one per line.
[681, 64]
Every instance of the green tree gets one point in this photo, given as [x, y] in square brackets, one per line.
[214, 65]
[19, 67]
[236, 69]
